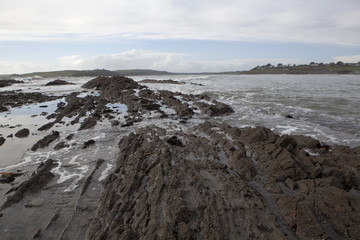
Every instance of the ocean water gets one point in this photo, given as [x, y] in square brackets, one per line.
[326, 107]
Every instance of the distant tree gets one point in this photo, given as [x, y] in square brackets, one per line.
[279, 64]
[339, 63]
[312, 63]
[321, 64]
[332, 64]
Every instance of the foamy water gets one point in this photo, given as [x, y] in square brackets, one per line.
[325, 107]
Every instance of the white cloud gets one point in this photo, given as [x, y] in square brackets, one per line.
[321, 21]
[348, 59]
[139, 59]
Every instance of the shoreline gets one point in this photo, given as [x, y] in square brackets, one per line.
[187, 176]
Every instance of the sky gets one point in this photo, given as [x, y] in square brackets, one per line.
[176, 36]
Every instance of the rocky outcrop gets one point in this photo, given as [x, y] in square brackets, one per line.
[215, 181]
[169, 81]
[17, 99]
[34, 184]
[8, 82]
[2, 140]
[22, 133]
[58, 82]
[45, 141]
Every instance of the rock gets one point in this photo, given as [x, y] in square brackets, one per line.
[276, 190]
[58, 82]
[2, 140]
[289, 116]
[61, 145]
[10, 136]
[160, 81]
[22, 133]
[88, 143]
[46, 126]
[45, 141]
[88, 123]
[175, 141]
[34, 184]
[3, 109]
[8, 82]
[69, 137]
[5, 178]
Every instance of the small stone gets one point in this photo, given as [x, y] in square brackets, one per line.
[22, 133]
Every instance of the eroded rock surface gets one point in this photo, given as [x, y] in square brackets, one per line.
[220, 182]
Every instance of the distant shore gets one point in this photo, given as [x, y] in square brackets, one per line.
[312, 68]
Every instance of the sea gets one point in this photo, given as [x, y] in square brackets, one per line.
[325, 107]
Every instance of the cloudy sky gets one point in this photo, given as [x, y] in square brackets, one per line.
[179, 36]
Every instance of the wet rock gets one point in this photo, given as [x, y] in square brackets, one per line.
[88, 143]
[214, 109]
[69, 137]
[10, 136]
[34, 184]
[45, 141]
[160, 81]
[46, 126]
[61, 145]
[6, 178]
[88, 123]
[8, 82]
[43, 106]
[3, 109]
[58, 82]
[17, 99]
[175, 141]
[2, 140]
[22, 133]
[289, 116]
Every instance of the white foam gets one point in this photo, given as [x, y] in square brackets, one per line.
[106, 172]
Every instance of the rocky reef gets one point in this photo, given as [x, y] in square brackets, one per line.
[189, 179]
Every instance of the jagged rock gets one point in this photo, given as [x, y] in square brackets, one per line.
[46, 126]
[2, 140]
[45, 141]
[3, 109]
[35, 183]
[228, 183]
[88, 143]
[22, 133]
[58, 82]
[61, 145]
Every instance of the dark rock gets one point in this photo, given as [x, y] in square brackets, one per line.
[17, 99]
[88, 143]
[289, 116]
[61, 145]
[58, 82]
[69, 137]
[2, 140]
[43, 106]
[115, 123]
[22, 133]
[10, 136]
[46, 126]
[4, 178]
[8, 82]
[276, 189]
[160, 81]
[3, 109]
[175, 141]
[35, 183]
[214, 109]
[88, 123]
[45, 141]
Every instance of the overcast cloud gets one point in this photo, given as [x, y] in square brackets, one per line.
[320, 21]
[66, 24]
